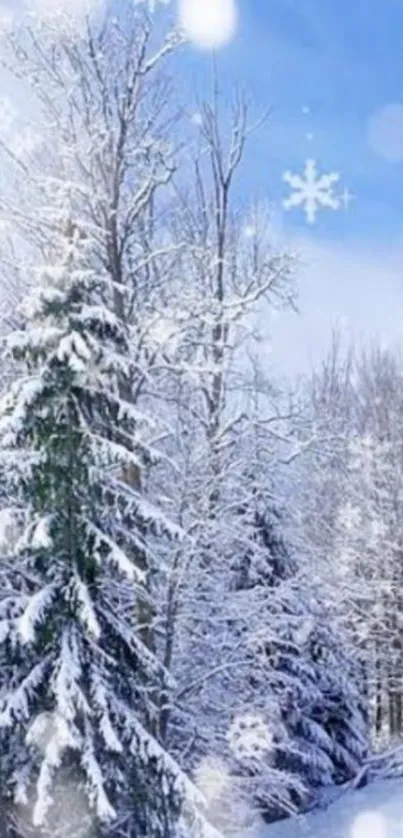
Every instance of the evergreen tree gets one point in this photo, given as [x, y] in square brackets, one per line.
[342, 708]
[318, 718]
[78, 683]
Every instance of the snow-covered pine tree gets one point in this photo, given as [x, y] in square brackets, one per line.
[342, 708]
[319, 723]
[77, 684]
[278, 669]
[100, 158]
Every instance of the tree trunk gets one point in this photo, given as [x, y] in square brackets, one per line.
[378, 692]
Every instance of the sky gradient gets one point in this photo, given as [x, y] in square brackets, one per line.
[342, 61]
[326, 71]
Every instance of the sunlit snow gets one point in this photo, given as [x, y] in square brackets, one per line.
[372, 824]
[373, 812]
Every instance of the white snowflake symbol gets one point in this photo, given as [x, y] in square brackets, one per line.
[312, 190]
[249, 737]
[152, 4]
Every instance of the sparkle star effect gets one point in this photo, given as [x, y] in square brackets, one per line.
[312, 190]
[346, 198]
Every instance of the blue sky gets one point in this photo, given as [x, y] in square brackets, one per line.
[344, 61]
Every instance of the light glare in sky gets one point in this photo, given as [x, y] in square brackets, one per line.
[209, 24]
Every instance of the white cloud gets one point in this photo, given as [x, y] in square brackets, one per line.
[353, 287]
[209, 24]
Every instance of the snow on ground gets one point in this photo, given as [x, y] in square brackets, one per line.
[373, 812]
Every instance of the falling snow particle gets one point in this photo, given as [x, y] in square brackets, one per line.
[7, 115]
[249, 231]
[197, 119]
[304, 632]
[25, 143]
[6, 20]
[311, 190]
[212, 778]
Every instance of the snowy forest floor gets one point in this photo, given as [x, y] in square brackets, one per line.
[373, 812]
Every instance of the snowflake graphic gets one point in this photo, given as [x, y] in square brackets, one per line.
[249, 737]
[151, 4]
[312, 190]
